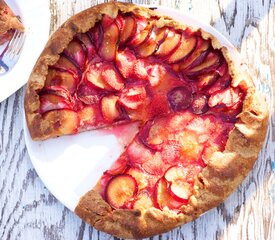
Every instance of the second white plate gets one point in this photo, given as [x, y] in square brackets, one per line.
[35, 16]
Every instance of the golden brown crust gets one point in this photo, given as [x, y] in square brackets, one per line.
[8, 20]
[223, 173]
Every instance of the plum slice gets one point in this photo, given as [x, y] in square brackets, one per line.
[67, 65]
[143, 200]
[120, 190]
[180, 98]
[190, 147]
[50, 102]
[88, 94]
[156, 72]
[169, 45]
[76, 53]
[180, 189]
[54, 98]
[220, 84]
[142, 32]
[211, 61]
[125, 61]
[200, 103]
[63, 78]
[57, 90]
[133, 97]
[222, 69]
[128, 29]
[197, 56]
[109, 109]
[139, 176]
[138, 153]
[87, 116]
[181, 180]
[206, 80]
[226, 98]
[112, 77]
[96, 35]
[65, 121]
[107, 20]
[140, 69]
[89, 46]
[150, 45]
[185, 48]
[205, 127]
[180, 120]
[120, 22]
[148, 70]
[164, 198]
[155, 165]
[108, 47]
[94, 76]
[143, 137]
[171, 152]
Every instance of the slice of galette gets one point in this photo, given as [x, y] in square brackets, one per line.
[8, 23]
[201, 123]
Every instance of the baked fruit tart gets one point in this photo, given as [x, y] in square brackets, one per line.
[202, 124]
[8, 23]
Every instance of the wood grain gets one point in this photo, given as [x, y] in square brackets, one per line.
[29, 211]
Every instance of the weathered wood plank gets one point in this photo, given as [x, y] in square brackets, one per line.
[29, 211]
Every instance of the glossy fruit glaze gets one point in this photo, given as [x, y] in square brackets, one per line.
[172, 81]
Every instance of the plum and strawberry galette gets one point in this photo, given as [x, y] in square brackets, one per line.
[8, 23]
[201, 123]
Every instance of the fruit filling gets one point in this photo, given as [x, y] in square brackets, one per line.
[172, 81]
[165, 159]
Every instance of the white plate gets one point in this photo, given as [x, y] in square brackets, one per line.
[69, 166]
[35, 16]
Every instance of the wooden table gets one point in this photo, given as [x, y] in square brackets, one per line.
[29, 211]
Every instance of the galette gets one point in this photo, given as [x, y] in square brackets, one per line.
[201, 122]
